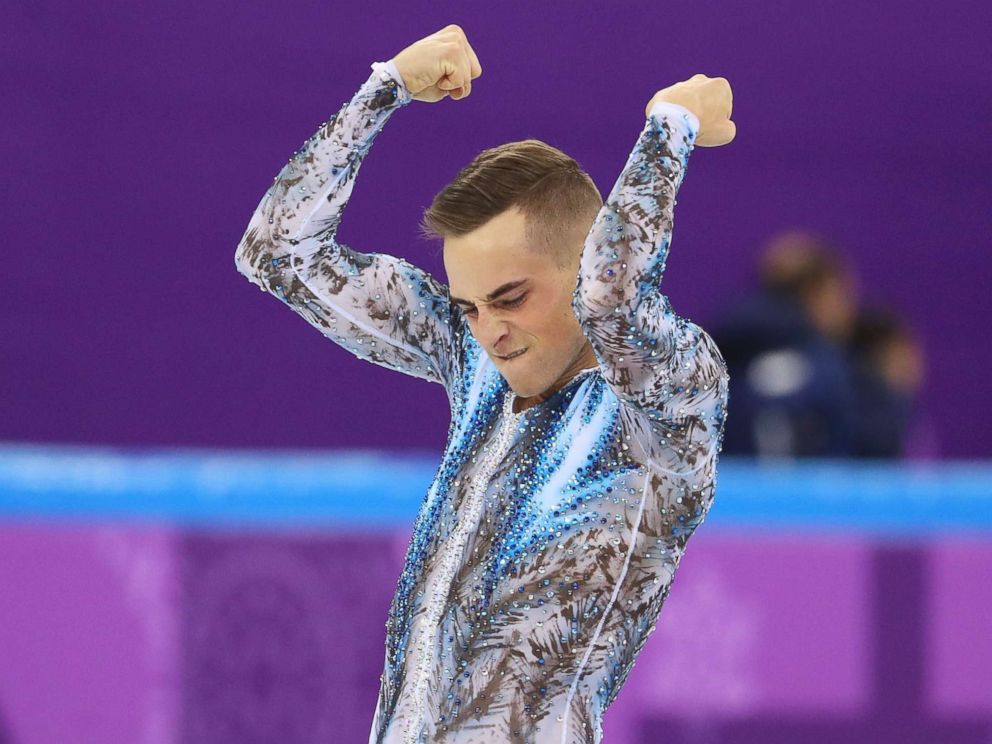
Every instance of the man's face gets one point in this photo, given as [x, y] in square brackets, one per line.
[515, 299]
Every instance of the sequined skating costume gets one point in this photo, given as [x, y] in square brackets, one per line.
[549, 538]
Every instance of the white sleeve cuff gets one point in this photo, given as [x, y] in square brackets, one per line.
[388, 68]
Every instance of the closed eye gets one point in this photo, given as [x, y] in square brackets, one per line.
[516, 302]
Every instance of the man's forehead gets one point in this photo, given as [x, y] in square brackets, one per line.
[480, 272]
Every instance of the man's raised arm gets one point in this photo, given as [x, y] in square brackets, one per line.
[664, 368]
[378, 307]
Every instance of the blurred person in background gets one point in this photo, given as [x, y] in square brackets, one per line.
[785, 348]
[887, 369]
[586, 416]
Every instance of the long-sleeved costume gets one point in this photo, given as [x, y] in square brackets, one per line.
[549, 538]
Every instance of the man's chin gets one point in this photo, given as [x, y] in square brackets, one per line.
[520, 387]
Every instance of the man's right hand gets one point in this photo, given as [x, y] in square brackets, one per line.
[439, 65]
[710, 99]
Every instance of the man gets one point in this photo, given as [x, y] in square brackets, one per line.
[586, 415]
[784, 345]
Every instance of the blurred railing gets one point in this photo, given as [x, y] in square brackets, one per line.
[378, 489]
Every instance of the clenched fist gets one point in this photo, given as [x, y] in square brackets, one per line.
[710, 99]
[439, 65]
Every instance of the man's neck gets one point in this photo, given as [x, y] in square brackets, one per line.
[585, 360]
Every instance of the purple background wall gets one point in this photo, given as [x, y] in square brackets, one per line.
[138, 138]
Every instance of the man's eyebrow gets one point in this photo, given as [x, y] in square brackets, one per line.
[501, 290]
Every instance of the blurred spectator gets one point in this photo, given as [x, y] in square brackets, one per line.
[791, 389]
[887, 370]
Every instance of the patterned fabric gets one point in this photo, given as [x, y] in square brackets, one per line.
[549, 538]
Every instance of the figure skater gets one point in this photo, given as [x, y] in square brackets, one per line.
[586, 416]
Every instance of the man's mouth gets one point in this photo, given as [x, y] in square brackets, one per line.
[514, 355]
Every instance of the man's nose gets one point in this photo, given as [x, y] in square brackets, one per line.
[489, 331]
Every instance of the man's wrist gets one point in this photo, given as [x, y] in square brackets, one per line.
[678, 111]
[388, 72]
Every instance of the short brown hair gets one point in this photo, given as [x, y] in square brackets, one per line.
[549, 187]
